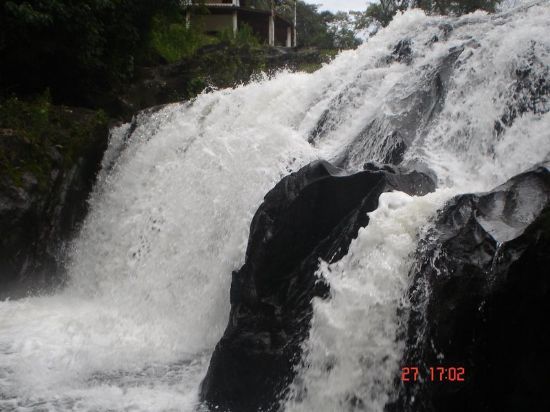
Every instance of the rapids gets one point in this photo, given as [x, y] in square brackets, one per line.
[147, 294]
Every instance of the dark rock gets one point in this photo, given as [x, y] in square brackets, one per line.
[42, 203]
[402, 52]
[310, 215]
[444, 31]
[528, 93]
[481, 299]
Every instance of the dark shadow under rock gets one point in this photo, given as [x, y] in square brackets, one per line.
[481, 301]
[310, 215]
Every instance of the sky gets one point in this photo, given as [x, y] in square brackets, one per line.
[344, 5]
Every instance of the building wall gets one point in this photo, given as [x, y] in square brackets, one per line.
[222, 19]
[258, 22]
[260, 26]
[213, 22]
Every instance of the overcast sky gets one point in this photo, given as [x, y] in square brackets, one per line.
[345, 5]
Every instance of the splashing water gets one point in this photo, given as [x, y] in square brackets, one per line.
[148, 291]
[350, 370]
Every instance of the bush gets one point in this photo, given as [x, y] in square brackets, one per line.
[73, 47]
[31, 129]
[173, 41]
[243, 38]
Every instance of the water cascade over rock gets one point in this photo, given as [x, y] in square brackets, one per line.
[310, 215]
[186, 293]
[480, 300]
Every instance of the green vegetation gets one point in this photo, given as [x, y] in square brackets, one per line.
[456, 7]
[172, 41]
[232, 61]
[88, 52]
[37, 136]
[381, 13]
[243, 38]
[75, 48]
[312, 27]
[82, 50]
[324, 30]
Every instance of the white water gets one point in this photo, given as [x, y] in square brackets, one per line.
[149, 275]
[352, 350]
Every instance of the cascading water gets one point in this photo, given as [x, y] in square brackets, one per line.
[148, 277]
[346, 370]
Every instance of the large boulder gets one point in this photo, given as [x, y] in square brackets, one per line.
[310, 215]
[481, 300]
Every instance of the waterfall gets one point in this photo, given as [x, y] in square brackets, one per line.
[147, 295]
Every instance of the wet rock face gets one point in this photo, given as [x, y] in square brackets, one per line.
[387, 137]
[481, 301]
[39, 214]
[310, 215]
[402, 52]
[528, 93]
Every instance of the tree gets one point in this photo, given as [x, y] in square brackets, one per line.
[381, 13]
[343, 29]
[312, 26]
[73, 47]
[315, 28]
[456, 7]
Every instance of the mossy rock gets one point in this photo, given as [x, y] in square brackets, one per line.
[49, 157]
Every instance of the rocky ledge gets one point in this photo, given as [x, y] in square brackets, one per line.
[480, 299]
[49, 157]
[310, 215]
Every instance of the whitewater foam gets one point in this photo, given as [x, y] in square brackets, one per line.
[148, 290]
[352, 355]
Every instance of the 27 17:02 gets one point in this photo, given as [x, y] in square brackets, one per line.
[437, 374]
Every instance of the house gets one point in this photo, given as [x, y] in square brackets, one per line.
[221, 15]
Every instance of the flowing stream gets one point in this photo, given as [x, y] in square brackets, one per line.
[147, 296]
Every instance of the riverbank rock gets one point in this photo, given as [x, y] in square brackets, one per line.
[48, 168]
[310, 215]
[481, 299]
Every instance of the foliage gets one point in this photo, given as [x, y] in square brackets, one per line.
[312, 26]
[243, 38]
[87, 51]
[381, 13]
[324, 56]
[74, 47]
[30, 117]
[456, 7]
[324, 30]
[343, 30]
[173, 41]
[31, 129]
